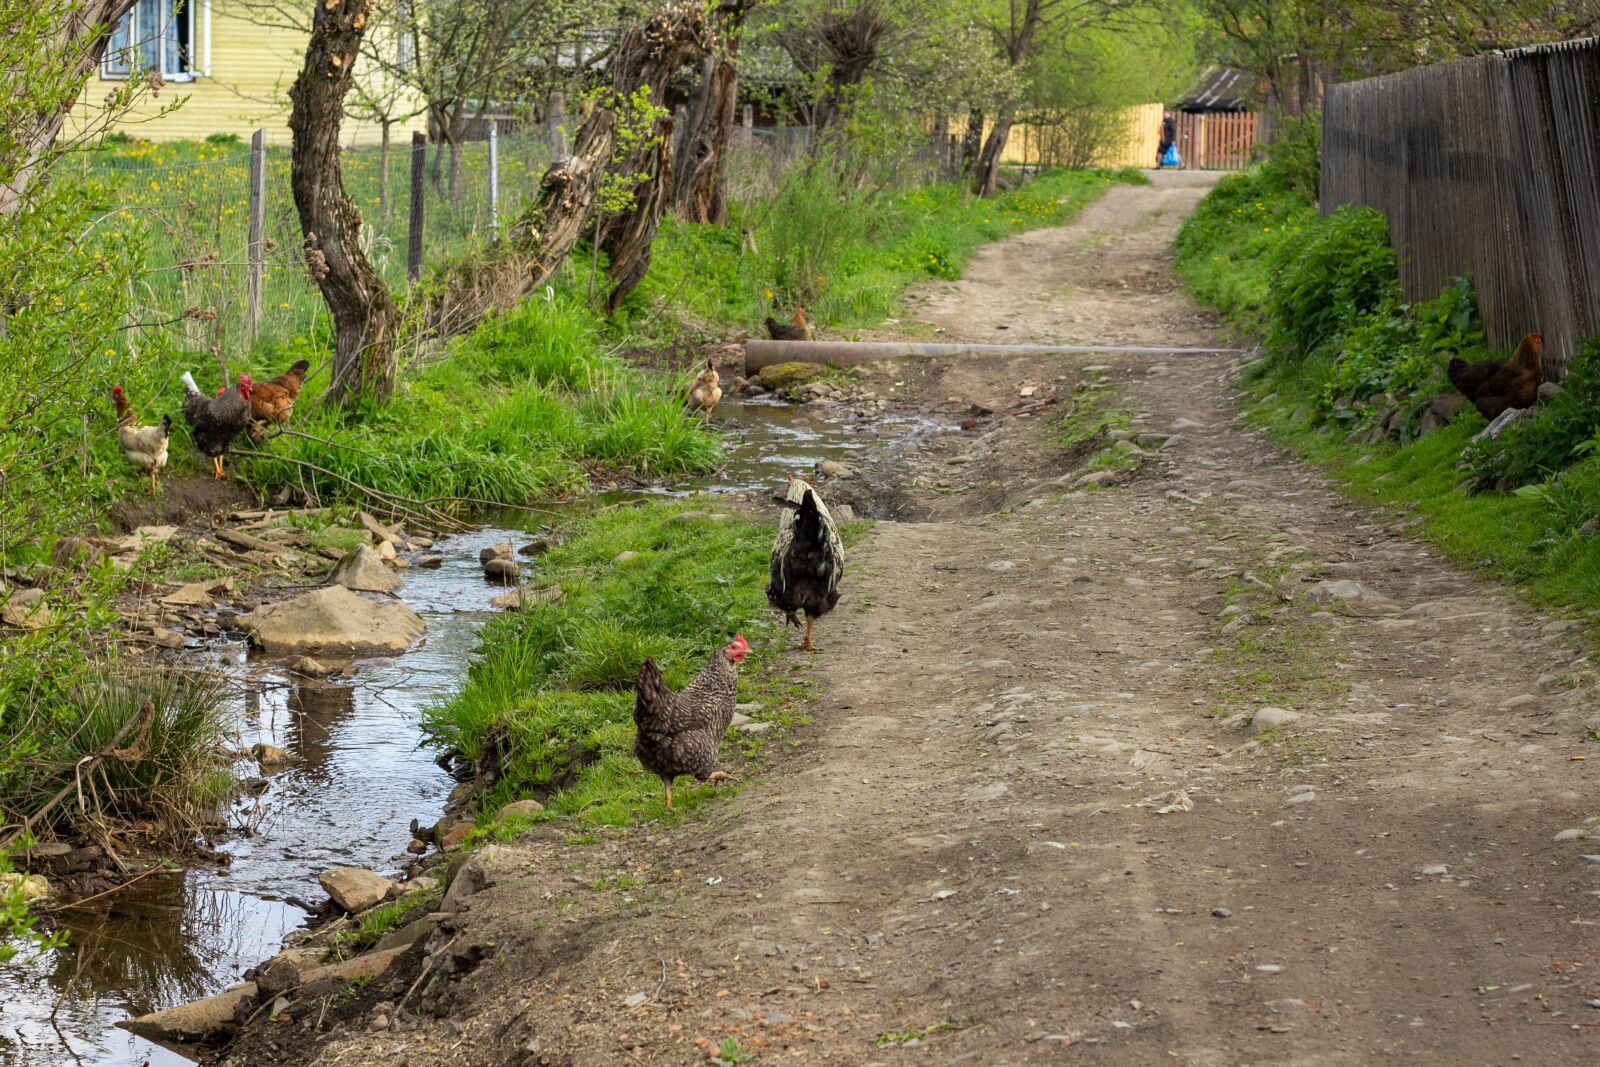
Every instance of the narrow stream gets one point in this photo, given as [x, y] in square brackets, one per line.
[358, 779]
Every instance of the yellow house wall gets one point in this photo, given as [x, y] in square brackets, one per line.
[1142, 133]
[252, 67]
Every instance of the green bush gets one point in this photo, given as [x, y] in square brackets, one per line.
[1297, 155]
[1227, 249]
[1401, 350]
[1340, 271]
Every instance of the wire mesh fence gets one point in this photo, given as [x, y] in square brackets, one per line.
[1488, 167]
[194, 202]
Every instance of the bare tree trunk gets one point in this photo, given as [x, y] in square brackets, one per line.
[971, 140]
[34, 138]
[646, 57]
[699, 194]
[627, 242]
[538, 242]
[986, 176]
[365, 317]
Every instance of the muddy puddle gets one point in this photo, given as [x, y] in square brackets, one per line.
[360, 776]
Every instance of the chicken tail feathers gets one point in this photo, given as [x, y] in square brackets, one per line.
[649, 689]
[189, 386]
[166, 425]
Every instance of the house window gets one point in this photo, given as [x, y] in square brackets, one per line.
[155, 35]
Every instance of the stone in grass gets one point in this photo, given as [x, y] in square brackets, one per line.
[354, 889]
[527, 808]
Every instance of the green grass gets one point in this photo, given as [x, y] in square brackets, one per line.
[1540, 541]
[847, 260]
[550, 699]
[383, 920]
[526, 407]
[1518, 538]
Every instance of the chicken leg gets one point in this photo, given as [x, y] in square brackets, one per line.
[216, 463]
[807, 646]
[152, 481]
[668, 783]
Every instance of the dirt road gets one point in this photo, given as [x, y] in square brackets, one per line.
[1031, 822]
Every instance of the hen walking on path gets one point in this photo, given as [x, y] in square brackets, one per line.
[1028, 823]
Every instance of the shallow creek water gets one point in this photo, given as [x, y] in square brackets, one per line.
[358, 779]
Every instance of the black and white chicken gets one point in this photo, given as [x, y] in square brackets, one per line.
[807, 559]
[680, 733]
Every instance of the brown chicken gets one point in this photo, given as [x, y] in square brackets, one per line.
[1495, 385]
[680, 733]
[705, 390]
[272, 401]
[800, 330]
[144, 446]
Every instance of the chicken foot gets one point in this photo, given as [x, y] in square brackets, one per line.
[807, 646]
[152, 481]
[216, 465]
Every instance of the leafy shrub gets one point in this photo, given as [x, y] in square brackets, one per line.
[1297, 155]
[1227, 249]
[1401, 350]
[1563, 431]
[1341, 271]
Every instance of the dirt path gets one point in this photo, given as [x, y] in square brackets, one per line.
[968, 839]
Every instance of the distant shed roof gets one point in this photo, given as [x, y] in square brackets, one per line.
[1220, 89]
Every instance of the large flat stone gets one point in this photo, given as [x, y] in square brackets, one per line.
[335, 621]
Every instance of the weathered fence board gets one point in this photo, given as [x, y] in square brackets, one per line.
[1488, 167]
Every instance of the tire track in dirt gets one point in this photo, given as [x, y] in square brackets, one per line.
[968, 842]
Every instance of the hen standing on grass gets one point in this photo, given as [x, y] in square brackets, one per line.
[680, 733]
[272, 401]
[1494, 385]
[217, 421]
[144, 446]
[807, 559]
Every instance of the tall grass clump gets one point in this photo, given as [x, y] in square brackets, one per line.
[527, 406]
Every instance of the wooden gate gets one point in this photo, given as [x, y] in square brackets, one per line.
[1219, 140]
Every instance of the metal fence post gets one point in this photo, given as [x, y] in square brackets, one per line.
[256, 271]
[494, 176]
[419, 180]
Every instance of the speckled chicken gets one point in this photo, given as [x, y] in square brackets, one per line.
[680, 733]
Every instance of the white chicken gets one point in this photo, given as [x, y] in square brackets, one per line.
[144, 446]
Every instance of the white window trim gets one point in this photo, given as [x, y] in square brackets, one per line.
[199, 15]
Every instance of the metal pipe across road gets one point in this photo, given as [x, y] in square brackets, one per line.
[758, 354]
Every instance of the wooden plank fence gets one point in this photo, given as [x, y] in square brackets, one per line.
[1219, 140]
[1488, 167]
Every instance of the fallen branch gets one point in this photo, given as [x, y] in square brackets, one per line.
[91, 760]
[397, 506]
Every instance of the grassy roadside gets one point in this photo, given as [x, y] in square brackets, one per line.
[1349, 367]
[549, 702]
